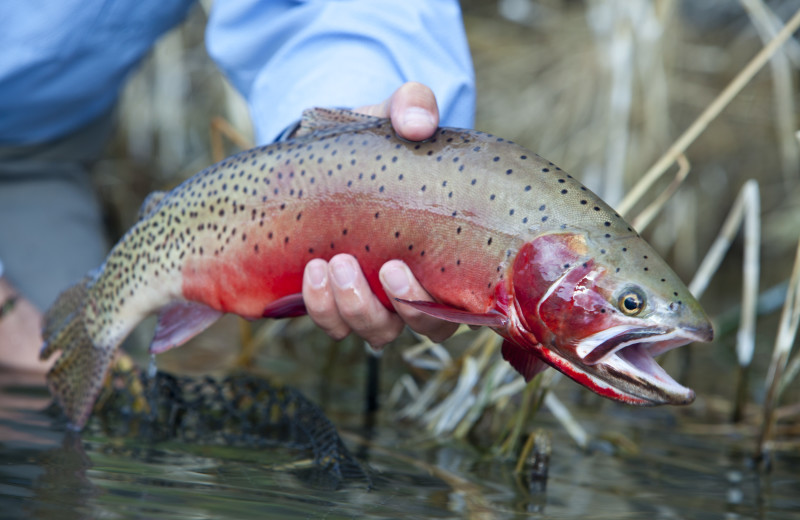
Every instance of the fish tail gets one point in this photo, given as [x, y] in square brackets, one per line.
[77, 375]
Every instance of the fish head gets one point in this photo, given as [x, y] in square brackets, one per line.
[602, 310]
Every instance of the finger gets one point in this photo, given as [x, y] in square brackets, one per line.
[358, 306]
[413, 110]
[319, 300]
[399, 282]
[414, 113]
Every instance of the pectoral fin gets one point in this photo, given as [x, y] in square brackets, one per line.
[179, 322]
[447, 313]
[286, 307]
[523, 360]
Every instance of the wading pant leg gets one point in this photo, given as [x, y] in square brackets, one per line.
[51, 225]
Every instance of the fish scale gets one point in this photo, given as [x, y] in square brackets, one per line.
[458, 208]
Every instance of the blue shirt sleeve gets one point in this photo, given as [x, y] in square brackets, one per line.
[287, 55]
[63, 62]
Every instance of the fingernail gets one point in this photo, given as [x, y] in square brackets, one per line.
[396, 280]
[316, 275]
[343, 274]
[416, 116]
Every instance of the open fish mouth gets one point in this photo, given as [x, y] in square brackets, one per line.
[623, 358]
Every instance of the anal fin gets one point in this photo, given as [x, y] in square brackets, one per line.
[179, 322]
[524, 360]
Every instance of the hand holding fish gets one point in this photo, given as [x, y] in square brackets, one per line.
[336, 293]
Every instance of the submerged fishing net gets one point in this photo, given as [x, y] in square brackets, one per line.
[242, 410]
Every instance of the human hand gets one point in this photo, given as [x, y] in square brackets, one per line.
[336, 293]
[20, 332]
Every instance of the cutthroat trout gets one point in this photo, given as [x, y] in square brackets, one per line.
[497, 235]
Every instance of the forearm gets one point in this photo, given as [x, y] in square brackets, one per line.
[347, 54]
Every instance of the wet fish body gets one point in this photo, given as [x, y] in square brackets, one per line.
[496, 234]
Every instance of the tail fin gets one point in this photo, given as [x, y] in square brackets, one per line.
[77, 376]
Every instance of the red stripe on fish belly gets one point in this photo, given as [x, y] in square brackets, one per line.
[454, 260]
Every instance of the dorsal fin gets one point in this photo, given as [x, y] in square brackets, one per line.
[316, 120]
[150, 203]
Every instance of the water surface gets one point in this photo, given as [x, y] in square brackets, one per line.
[46, 472]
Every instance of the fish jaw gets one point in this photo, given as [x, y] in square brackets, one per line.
[568, 300]
[630, 374]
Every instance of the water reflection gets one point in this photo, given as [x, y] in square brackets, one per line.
[47, 473]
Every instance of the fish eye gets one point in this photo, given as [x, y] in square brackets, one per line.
[632, 301]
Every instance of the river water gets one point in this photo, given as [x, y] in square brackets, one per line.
[677, 471]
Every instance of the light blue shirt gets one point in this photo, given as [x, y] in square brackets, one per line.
[63, 62]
